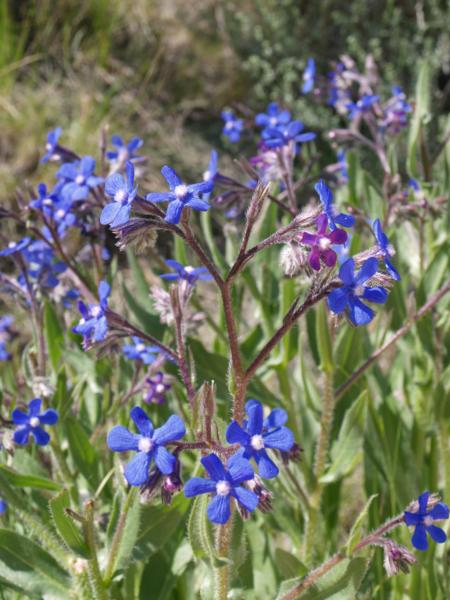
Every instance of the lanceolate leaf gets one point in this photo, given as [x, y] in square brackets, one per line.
[65, 525]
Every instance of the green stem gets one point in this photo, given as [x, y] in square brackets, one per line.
[95, 576]
[66, 473]
[222, 574]
[120, 529]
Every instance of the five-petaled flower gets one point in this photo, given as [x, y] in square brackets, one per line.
[258, 433]
[51, 146]
[31, 422]
[123, 192]
[125, 152]
[363, 105]
[334, 218]
[181, 195]
[232, 126]
[309, 75]
[385, 248]
[274, 117]
[79, 178]
[321, 243]
[188, 273]
[423, 519]
[14, 247]
[353, 291]
[276, 137]
[155, 389]
[224, 484]
[140, 351]
[149, 445]
[93, 324]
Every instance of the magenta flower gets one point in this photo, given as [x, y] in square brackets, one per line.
[321, 243]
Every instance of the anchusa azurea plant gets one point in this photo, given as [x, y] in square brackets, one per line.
[256, 377]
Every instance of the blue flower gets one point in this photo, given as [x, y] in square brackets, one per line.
[342, 164]
[309, 75]
[189, 274]
[123, 192]
[51, 146]
[353, 290]
[232, 127]
[139, 351]
[395, 111]
[276, 137]
[42, 265]
[94, 325]
[5, 335]
[258, 434]
[125, 152]
[364, 104]
[274, 117]
[79, 178]
[210, 174]
[224, 484]
[422, 521]
[155, 389]
[385, 248]
[45, 200]
[334, 218]
[14, 247]
[3, 506]
[149, 445]
[181, 195]
[30, 423]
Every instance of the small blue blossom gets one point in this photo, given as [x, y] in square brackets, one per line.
[51, 146]
[334, 218]
[274, 117]
[309, 75]
[45, 200]
[353, 290]
[232, 127]
[31, 421]
[5, 336]
[423, 519]
[210, 174]
[364, 104]
[385, 248]
[3, 506]
[276, 137]
[14, 247]
[149, 445]
[123, 192]
[155, 389]
[181, 195]
[140, 351]
[188, 273]
[258, 434]
[125, 152]
[79, 178]
[395, 112]
[342, 164]
[93, 325]
[224, 484]
[43, 267]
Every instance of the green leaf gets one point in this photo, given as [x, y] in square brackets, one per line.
[32, 481]
[83, 454]
[130, 530]
[199, 529]
[24, 563]
[324, 338]
[54, 335]
[65, 526]
[346, 452]
[421, 111]
[356, 532]
[340, 583]
[5, 584]
[289, 565]
[149, 323]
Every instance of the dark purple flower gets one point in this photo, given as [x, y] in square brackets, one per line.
[321, 243]
[31, 422]
[423, 519]
[155, 389]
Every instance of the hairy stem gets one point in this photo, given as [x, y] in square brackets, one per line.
[95, 576]
[222, 574]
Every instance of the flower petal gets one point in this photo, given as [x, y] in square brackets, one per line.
[347, 271]
[248, 499]
[164, 460]
[197, 204]
[171, 177]
[136, 471]
[423, 502]
[199, 485]
[100, 329]
[325, 195]
[104, 290]
[121, 440]
[360, 314]
[440, 511]
[277, 418]
[173, 212]
[21, 435]
[411, 519]
[338, 299]
[122, 216]
[173, 429]
[437, 534]
[218, 510]
[368, 270]
[130, 175]
[49, 417]
[109, 213]
[142, 421]
[42, 437]
[419, 538]
[19, 417]
[239, 469]
[255, 418]
[344, 220]
[34, 407]
[314, 258]
[281, 439]
[114, 183]
[391, 270]
[214, 466]
[266, 467]
[160, 197]
[236, 435]
[375, 294]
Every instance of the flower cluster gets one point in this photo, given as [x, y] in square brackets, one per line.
[93, 325]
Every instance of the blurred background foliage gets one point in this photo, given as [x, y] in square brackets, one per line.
[165, 68]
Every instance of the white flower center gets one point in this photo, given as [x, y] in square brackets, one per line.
[34, 422]
[180, 191]
[257, 442]
[48, 147]
[145, 444]
[47, 201]
[427, 521]
[79, 179]
[206, 175]
[96, 311]
[12, 244]
[60, 213]
[359, 290]
[160, 388]
[229, 125]
[324, 243]
[273, 121]
[223, 488]
[120, 196]
[140, 347]
[189, 269]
